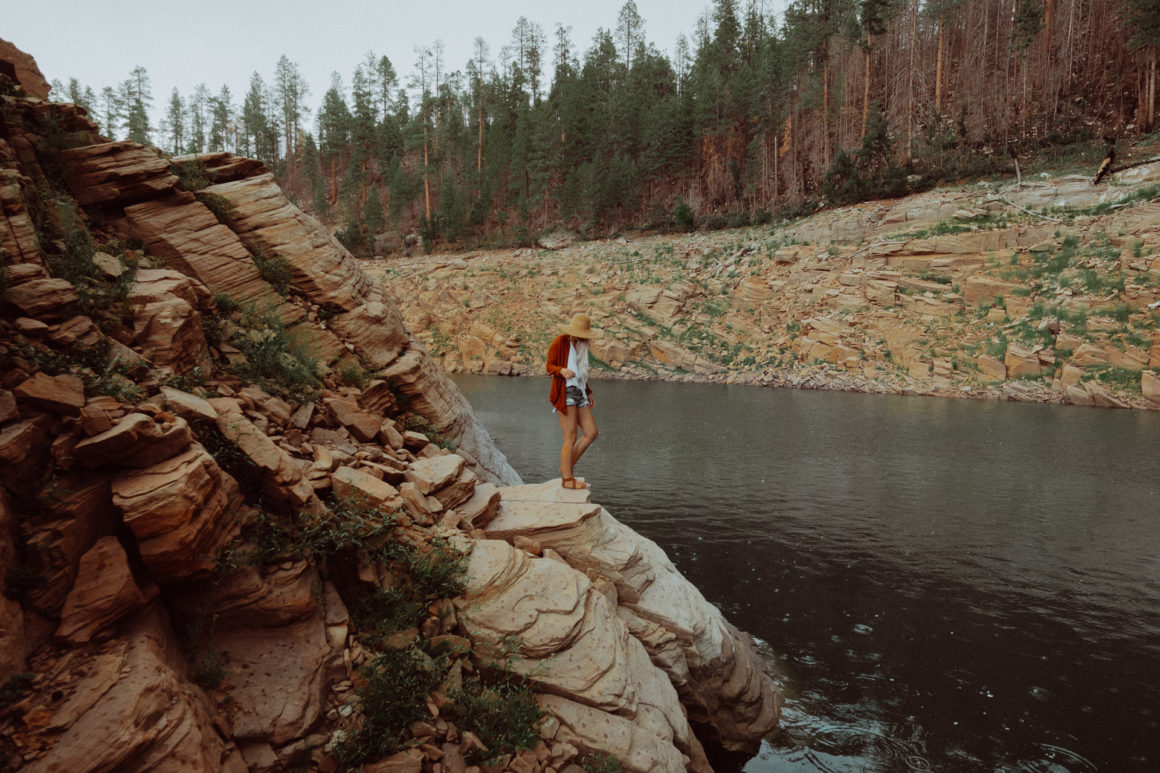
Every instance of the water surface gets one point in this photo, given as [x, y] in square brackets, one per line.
[939, 584]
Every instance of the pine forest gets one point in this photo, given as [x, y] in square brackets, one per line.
[750, 117]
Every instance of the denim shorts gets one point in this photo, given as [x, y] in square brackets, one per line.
[574, 395]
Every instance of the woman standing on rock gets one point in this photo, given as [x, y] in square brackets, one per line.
[570, 395]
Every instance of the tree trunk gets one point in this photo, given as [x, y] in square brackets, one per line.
[826, 110]
[426, 175]
[938, 70]
[912, 44]
[866, 86]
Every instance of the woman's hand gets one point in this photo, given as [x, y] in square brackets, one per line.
[566, 373]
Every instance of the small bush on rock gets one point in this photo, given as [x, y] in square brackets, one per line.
[504, 715]
[395, 695]
[273, 359]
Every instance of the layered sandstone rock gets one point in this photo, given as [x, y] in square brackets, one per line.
[715, 668]
[128, 708]
[573, 644]
[105, 592]
[181, 510]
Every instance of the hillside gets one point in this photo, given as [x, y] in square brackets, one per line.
[1045, 290]
[247, 524]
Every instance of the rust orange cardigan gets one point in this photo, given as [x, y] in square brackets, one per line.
[557, 360]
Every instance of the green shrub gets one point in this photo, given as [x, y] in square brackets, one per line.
[274, 269]
[380, 612]
[683, 216]
[225, 303]
[192, 175]
[436, 570]
[395, 695]
[1120, 378]
[504, 715]
[353, 373]
[273, 359]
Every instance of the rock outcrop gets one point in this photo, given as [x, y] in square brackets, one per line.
[233, 485]
[920, 295]
[715, 667]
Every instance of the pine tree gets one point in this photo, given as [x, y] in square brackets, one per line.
[221, 121]
[137, 97]
[175, 122]
[259, 133]
[198, 110]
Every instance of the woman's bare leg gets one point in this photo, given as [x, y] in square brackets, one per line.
[568, 423]
[587, 422]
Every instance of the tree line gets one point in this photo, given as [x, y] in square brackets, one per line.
[747, 115]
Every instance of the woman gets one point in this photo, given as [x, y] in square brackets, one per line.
[570, 395]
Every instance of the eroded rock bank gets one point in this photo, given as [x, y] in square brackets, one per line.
[1044, 291]
[248, 524]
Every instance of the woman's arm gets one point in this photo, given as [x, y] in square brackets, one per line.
[554, 354]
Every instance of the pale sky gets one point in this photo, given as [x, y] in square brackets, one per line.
[223, 41]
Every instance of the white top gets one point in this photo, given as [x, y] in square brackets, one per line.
[578, 364]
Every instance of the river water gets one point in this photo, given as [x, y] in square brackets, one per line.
[946, 585]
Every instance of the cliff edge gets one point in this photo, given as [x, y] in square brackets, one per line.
[248, 524]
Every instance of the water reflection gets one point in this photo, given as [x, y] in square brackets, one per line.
[943, 584]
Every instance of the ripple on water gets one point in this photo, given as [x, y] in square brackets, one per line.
[1052, 759]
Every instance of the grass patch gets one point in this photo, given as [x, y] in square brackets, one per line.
[600, 762]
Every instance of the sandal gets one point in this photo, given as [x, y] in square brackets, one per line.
[572, 483]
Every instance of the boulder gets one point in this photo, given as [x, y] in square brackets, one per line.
[1021, 361]
[167, 325]
[24, 449]
[8, 410]
[991, 368]
[63, 394]
[1150, 385]
[478, 511]
[182, 511]
[362, 487]
[137, 440]
[271, 635]
[984, 289]
[184, 232]
[116, 173]
[45, 299]
[266, 220]
[375, 329]
[105, 592]
[280, 475]
[431, 475]
[28, 75]
[364, 426]
[187, 406]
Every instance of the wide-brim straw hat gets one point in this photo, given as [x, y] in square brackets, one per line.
[580, 327]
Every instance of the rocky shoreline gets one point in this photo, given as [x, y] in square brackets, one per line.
[1041, 291]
